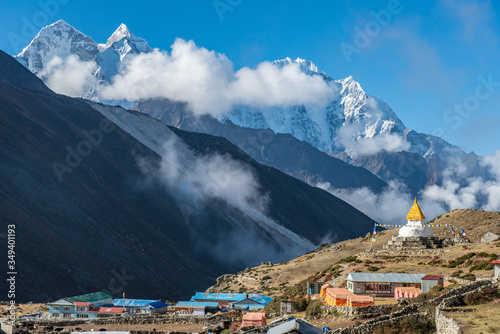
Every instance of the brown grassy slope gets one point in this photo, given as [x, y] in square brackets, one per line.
[273, 280]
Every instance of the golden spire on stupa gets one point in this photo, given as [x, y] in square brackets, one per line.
[415, 212]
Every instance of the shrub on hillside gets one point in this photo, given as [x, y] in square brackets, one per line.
[313, 309]
[300, 305]
[483, 296]
[410, 325]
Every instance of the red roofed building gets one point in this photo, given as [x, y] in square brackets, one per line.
[106, 312]
[430, 281]
[496, 265]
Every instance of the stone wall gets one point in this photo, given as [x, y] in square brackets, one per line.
[445, 325]
[357, 311]
[412, 243]
[135, 320]
[405, 252]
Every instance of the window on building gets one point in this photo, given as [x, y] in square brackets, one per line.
[81, 308]
[55, 308]
[67, 308]
[82, 315]
[66, 315]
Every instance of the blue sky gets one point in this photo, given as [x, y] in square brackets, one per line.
[436, 63]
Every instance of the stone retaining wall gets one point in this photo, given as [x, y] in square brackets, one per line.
[406, 252]
[138, 320]
[445, 325]
[356, 311]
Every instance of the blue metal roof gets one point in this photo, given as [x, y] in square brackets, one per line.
[156, 305]
[219, 296]
[197, 304]
[264, 300]
[136, 302]
[228, 297]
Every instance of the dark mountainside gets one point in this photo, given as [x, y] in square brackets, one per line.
[98, 226]
[96, 229]
[307, 203]
[282, 151]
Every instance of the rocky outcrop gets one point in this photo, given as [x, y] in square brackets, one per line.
[489, 237]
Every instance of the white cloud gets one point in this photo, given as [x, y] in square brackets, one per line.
[208, 82]
[70, 76]
[459, 191]
[220, 180]
[206, 177]
[357, 144]
[390, 206]
[371, 134]
[456, 192]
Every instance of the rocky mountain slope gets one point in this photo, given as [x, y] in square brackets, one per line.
[282, 151]
[105, 198]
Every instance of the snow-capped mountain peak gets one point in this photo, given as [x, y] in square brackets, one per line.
[306, 66]
[119, 34]
[124, 34]
[58, 39]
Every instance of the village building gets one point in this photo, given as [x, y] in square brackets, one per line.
[406, 292]
[253, 319]
[381, 284]
[196, 308]
[335, 296]
[359, 300]
[84, 306]
[236, 300]
[295, 326]
[285, 308]
[314, 288]
[252, 302]
[141, 306]
[496, 265]
[430, 281]
[414, 235]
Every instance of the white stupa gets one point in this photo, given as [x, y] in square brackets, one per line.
[415, 227]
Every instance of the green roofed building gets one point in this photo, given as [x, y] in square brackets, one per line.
[91, 305]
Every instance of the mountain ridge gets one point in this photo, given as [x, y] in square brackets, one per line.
[359, 129]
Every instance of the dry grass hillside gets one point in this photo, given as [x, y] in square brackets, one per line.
[332, 263]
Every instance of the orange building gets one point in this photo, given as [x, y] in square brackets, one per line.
[323, 290]
[336, 296]
[359, 301]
